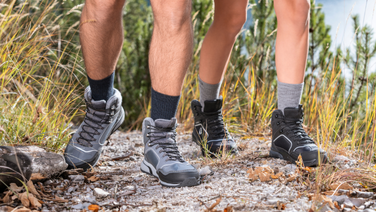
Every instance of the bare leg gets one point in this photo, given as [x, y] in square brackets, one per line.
[229, 17]
[171, 46]
[292, 39]
[101, 36]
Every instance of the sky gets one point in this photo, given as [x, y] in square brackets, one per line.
[338, 15]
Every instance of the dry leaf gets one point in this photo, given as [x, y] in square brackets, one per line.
[59, 199]
[252, 175]
[339, 185]
[22, 210]
[214, 204]
[37, 177]
[34, 201]
[264, 177]
[281, 206]
[291, 178]
[31, 187]
[94, 208]
[9, 209]
[24, 199]
[280, 174]
[328, 200]
[228, 209]
[93, 179]
[7, 199]
[336, 205]
[13, 187]
[309, 169]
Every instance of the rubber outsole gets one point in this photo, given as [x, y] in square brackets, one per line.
[286, 156]
[147, 168]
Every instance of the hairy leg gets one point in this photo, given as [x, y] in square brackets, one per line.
[229, 18]
[292, 39]
[101, 36]
[171, 46]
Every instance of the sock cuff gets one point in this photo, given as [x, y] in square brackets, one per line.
[163, 106]
[107, 79]
[161, 96]
[103, 88]
[290, 86]
[207, 84]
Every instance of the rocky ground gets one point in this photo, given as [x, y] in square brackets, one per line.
[250, 181]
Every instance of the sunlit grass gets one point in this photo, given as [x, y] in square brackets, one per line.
[38, 95]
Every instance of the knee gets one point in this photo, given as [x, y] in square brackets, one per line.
[231, 23]
[294, 12]
[171, 16]
[105, 8]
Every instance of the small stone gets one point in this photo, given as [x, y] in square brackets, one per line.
[273, 201]
[77, 178]
[205, 171]
[71, 189]
[100, 193]
[111, 163]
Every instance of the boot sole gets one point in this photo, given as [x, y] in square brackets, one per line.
[285, 156]
[149, 169]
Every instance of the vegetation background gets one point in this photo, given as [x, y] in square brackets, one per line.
[42, 76]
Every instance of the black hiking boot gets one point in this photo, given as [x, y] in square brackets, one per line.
[209, 131]
[289, 139]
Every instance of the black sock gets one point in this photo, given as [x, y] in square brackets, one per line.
[163, 106]
[102, 89]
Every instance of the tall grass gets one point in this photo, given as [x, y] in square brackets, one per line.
[38, 93]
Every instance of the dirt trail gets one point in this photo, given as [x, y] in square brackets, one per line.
[226, 182]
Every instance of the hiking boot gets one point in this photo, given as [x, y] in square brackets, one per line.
[162, 158]
[101, 120]
[209, 131]
[289, 139]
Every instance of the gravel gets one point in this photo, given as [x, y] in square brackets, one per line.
[117, 184]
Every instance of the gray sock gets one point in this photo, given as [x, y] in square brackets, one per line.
[208, 91]
[289, 95]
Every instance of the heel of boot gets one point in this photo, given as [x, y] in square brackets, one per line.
[275, 154]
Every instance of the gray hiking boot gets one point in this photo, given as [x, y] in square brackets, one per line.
[162, 158]
[101, 120]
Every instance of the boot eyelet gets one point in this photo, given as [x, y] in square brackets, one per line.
[281, 131]
[278, 123]
[276, 115]
[147, 135]
[148, 127]
[149, 145]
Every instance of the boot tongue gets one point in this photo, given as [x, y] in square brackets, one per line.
[293, 113]
[101, 104]
[165, 123]
[212, 105]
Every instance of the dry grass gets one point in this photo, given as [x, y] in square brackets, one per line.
[37, 90]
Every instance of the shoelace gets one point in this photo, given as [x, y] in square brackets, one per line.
[159, 136]
[215, 125]
[299, 132]
[91, 126]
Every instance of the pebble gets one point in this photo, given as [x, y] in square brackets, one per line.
[100, 193]
[77, 178]
[205, 171]
[81, 206]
